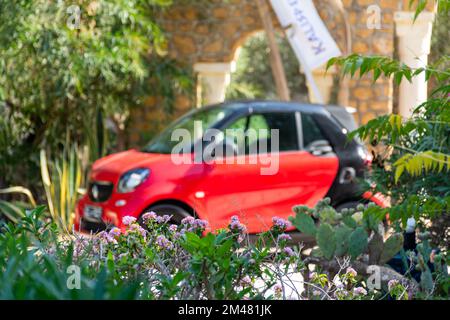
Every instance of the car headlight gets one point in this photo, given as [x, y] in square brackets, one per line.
[130, 180]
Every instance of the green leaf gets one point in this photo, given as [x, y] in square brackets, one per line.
[326, 240]
[358, 242]
[304, 223]
[342, 239]
[392, 246]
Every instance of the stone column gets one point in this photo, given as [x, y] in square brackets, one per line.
[414, 42]
[324, 81]
[213, 79]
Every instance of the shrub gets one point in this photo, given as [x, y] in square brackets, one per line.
[158, 260]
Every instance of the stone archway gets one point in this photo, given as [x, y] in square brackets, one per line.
[207, 35]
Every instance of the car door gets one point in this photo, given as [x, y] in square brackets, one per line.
[282, 176]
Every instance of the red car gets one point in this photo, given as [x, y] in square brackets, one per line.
[314, 159]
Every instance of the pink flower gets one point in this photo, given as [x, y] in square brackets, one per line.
[128, 220]
[173, 228]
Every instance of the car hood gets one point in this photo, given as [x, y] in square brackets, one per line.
[119, 163]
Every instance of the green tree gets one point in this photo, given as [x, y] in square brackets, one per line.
[414, 168]
[66, 66]
[253, 78]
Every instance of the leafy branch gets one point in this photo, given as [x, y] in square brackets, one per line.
[380, 65]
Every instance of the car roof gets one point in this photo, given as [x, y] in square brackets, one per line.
[271, 105]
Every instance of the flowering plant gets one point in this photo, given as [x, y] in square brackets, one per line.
[155, 259]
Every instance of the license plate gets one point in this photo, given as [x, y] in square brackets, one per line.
[93, 213]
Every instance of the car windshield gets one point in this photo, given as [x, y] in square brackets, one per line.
[193, 124]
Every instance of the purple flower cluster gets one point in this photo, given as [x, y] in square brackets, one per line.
[164, 243]
[111, 236]
[236, 225]
[163, 219]
[188, 221]
[280, 223]
[128, 220]
[360, 291]
[284, 237]
[149, 216]
[79, 247]
[135, 228]
[106, 237]
[114, 232]
[191, 224]
[289, 252]
[392, 284]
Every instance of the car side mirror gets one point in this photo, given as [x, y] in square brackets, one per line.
[319, 148]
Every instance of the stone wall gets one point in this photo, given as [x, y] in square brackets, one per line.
[213, 32]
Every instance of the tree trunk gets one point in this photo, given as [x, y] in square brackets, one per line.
[344, 90]
[275, 57]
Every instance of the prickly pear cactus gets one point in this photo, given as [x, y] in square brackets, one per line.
[342, 240]
[358, 242]
[346, 233]
[423, 257]
[391, 247]
[326, 239]
[376, 246]
[303, 222]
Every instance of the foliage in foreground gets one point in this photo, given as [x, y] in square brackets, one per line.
[163, 261]
[364, 238]
[412, 166]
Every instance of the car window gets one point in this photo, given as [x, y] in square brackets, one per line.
[284, 122]
[311, 131]
[235, 133]
[258, 131]
[193, 125]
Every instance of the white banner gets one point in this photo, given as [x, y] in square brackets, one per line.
[308, 35]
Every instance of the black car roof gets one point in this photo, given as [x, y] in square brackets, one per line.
[265, 105]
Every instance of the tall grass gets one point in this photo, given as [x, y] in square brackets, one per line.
[15, 210]
[62, 179]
